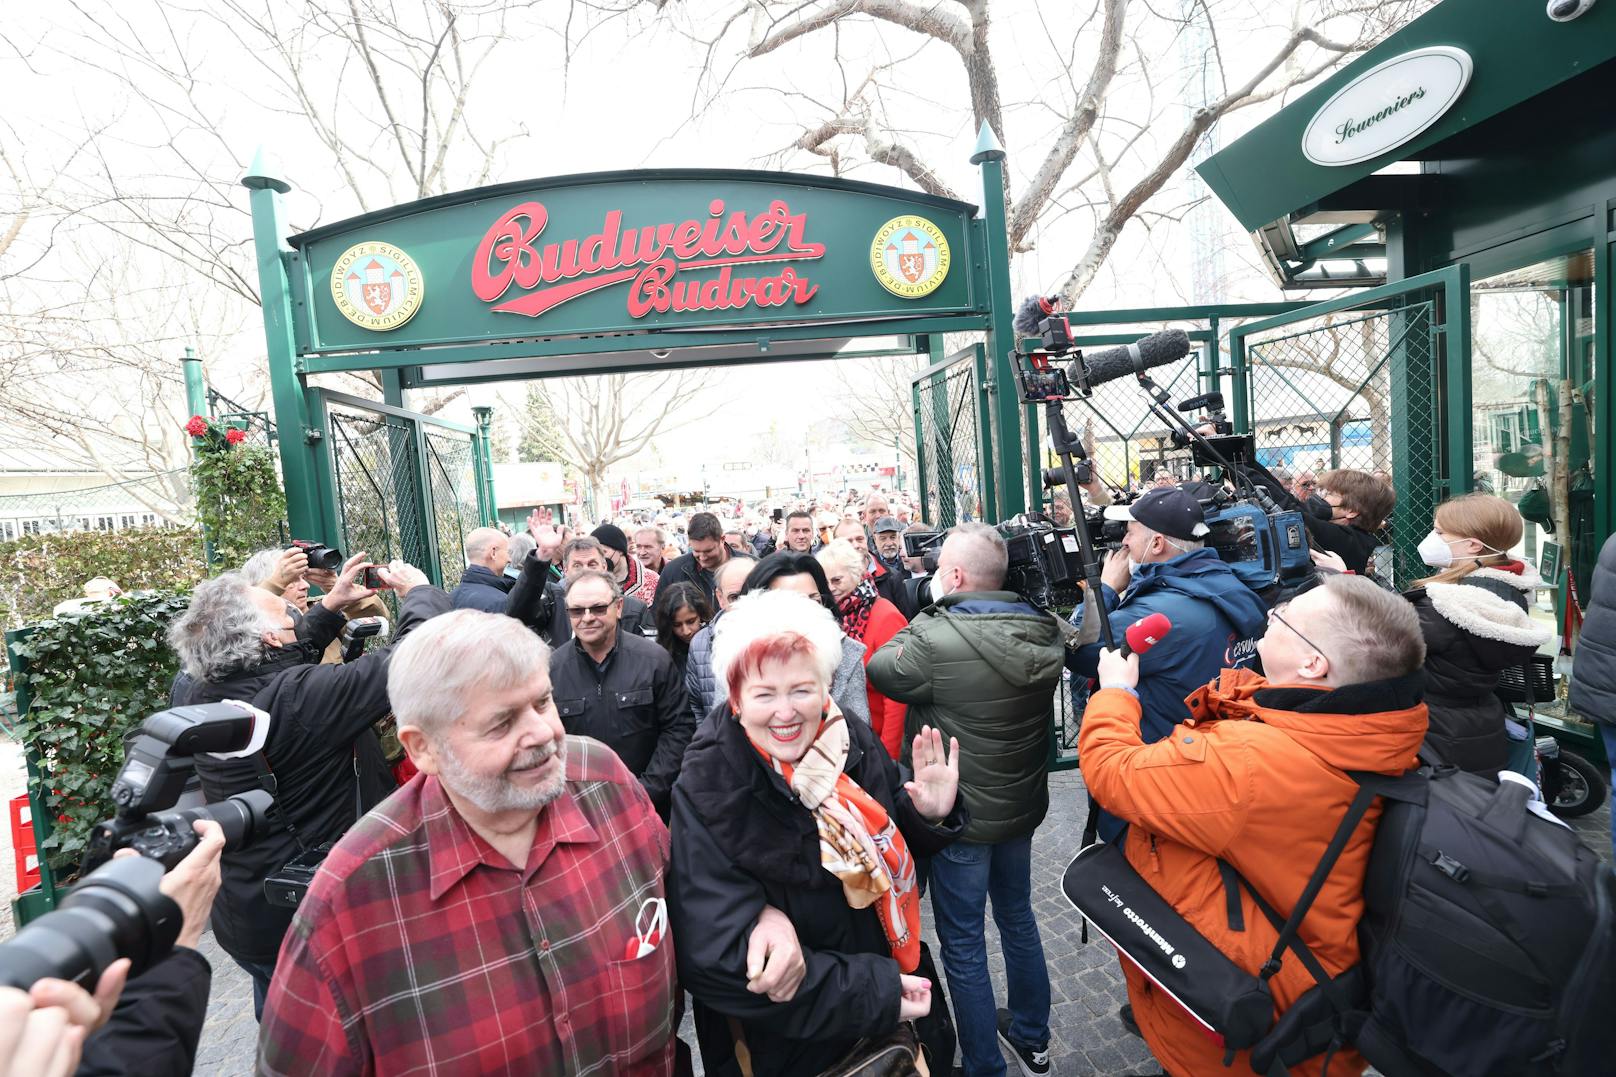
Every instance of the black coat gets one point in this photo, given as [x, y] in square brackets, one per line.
[741, 840]
[540, 602]
[325, 760]
[1474, 629]
[480, 589]
[684, 569]
[638, 707]
[157, 1023]
[1593, 675]
[1353, 544]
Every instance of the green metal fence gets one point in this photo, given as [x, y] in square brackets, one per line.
[1373, 381]
[954, 453]
[400, 485]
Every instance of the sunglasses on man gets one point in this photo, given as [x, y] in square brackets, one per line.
[577, 613]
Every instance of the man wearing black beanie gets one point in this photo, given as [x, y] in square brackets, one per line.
[635, 579]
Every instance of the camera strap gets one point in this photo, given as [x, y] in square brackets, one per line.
[268, 782]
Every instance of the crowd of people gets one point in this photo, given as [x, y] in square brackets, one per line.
[612, 770]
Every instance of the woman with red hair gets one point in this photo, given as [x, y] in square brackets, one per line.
[783, 802]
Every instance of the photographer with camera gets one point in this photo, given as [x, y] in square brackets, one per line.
[1164, 567]
[148, 1025]
[1358, 505]
[320, 759]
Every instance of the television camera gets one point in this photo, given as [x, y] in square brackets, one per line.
[1265, 544]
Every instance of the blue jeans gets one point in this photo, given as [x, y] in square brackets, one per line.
[261, 975]
[963, 877]
[1608, 731]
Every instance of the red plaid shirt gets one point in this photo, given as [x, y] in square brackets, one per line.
[420, 949]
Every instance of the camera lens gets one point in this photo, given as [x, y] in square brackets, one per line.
[115, 911]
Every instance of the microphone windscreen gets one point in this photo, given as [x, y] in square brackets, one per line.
[1033, 310]
[1158, 349]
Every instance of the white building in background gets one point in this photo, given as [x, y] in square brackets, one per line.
[40, 494]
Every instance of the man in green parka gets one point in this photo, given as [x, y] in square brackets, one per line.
[982, 664]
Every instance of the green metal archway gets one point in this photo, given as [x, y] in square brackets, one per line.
[604, 273]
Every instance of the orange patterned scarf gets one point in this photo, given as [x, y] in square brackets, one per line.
[858, 842]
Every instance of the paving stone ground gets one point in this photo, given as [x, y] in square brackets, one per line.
[1087, 987]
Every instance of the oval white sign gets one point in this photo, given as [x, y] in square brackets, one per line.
[1386, 106]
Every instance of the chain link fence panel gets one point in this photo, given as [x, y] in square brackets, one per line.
[452, 492]
[1358, 389]
[950, 471]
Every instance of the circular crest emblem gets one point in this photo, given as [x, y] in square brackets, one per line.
[909, 257]
[1178, 961]
[377, 286]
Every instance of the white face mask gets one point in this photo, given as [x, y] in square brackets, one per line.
[1133, 567]
[1434, 551]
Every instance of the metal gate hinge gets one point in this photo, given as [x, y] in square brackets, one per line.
[312, 436]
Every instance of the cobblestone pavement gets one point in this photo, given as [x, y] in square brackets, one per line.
[1088, 1040]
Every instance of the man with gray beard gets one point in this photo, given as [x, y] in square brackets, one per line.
[503, 911]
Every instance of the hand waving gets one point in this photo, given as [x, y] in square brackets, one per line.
[549, 539]
[936, 780]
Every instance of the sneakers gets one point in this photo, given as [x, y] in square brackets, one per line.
[1033, 1063]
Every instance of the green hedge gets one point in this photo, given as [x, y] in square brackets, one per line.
[91, 677]
[38, 571]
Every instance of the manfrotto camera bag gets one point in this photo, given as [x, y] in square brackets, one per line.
[1230, 1003]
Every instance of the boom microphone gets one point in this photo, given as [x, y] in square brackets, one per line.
[1158, 349]
[1145, 633]
[1033, 309]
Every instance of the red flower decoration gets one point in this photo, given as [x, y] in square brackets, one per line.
[197, 427]
[234, 436]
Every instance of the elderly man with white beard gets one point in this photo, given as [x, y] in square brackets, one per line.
[504, 909]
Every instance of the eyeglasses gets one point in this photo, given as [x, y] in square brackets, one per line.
[1275, 615]
[577, 612]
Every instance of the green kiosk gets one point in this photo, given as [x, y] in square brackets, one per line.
[1463, 173]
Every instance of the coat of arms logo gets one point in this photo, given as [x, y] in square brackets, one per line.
[377, 286]
[909, 256]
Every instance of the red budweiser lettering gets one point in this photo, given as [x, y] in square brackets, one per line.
[650, 256]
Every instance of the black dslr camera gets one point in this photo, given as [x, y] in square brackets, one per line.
[323, 557]
[117, 909]
[157, 761]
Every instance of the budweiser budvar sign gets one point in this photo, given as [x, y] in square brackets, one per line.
[520, 275]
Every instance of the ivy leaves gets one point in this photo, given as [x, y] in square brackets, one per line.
[91, 677]
[239, 501]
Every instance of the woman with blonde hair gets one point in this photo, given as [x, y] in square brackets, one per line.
[868, 620]
[1473, 613]
[783, 802]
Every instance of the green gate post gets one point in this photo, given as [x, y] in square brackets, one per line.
[920, 451]
[1006, 411]
[942, 416]
[984, 436]
[1211, 378]
[483, 465]
[291, 407]
[196, 387]
[1456, 356]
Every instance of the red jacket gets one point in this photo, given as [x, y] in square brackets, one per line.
[1260, 783]
[886, 715]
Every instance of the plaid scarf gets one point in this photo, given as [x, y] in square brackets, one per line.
[858, 842]
[854, 610]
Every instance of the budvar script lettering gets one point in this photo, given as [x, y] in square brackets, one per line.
[649, 258]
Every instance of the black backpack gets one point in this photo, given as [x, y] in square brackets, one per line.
[1487, 940]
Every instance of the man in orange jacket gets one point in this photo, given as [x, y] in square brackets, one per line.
[1257, 777]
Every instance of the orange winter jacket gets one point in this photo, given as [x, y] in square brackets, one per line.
[1255, 777]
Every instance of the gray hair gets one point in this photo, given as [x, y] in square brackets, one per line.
[981, 554]
[1282, 473]
[591, 574]
[522, 544]
[262, 565]
[221, 631]
[434, 670]
[1369, 633]
[844, 555]
[585, 543]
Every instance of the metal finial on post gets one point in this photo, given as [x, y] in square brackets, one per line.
[987, 146]
[264, 174]
[196, 387]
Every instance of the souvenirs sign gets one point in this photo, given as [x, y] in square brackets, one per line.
[1386, 106]
[377, 286]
